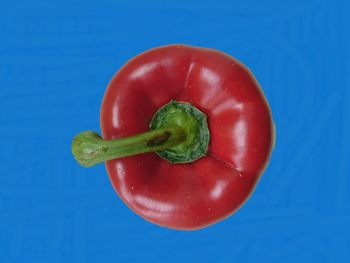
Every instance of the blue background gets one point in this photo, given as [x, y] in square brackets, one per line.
[56, 58]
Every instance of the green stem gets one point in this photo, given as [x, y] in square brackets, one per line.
[179, 133]
[89, 148]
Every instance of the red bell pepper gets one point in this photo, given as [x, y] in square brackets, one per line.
[204, 115]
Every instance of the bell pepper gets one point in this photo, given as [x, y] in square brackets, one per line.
[187, 134]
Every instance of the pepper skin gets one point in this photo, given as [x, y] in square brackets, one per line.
[191, 195]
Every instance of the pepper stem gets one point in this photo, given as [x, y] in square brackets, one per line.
[179, 133]
[89, 148]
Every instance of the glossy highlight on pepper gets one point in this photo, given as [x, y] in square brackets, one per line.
[205, 190]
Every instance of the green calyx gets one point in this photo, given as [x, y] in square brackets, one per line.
[194, 124]
[179, 133]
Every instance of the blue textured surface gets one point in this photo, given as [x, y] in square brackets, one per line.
[56, 59]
